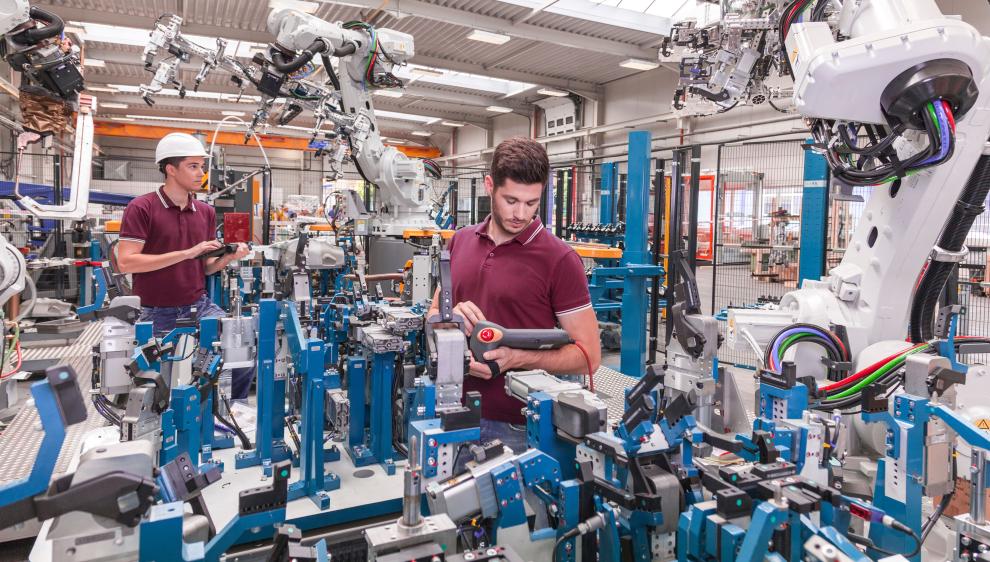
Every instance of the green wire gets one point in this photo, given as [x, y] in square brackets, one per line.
[788, 342]
[886, 368]
[931, 111]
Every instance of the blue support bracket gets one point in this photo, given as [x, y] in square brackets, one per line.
[186, 421]
[269, 445]
[901, 499]
[160, 536]
[542, 435]
[432, 439]
[53, 423]
[508, 496]
[814, 216]
[308, 356]
[766, 518]
[635, 301]
[375, 444]
[100, 283]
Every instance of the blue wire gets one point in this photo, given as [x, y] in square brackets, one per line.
[944, 131]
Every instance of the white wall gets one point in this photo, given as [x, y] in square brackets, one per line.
[508, 126]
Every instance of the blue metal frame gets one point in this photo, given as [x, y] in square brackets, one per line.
[270, 445]
[161, 535]
[51, 445]
[606, 210]
[308, 356]
[375, 445]
[814, 211]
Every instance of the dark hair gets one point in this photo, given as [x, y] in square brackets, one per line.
[521, 160]
[174, 160]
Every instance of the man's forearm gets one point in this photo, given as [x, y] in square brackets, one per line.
[567, 360]
[144, 263]
[214, 265]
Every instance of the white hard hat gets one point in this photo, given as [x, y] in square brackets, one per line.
[178, 144]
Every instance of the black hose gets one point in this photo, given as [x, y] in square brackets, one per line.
[245, 442]
[291, 65]
[54, 27]
[330, 72]
[347, 49]
[952, 239]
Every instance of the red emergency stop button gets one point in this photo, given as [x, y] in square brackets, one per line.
[487, 335]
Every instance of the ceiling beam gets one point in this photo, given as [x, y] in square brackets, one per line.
[435, 12]
[155, 132]
[125, 19]
[589, 90]
[179, 106]
[584, 87]
[420, 88]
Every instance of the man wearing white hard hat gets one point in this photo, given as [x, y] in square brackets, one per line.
[162, 236]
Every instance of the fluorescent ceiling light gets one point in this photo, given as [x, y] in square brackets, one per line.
[95, 63]
[488, 37]
[444, 77]
[424, 71]
[639, 64]
[551, 92]
[101, 89]
[402, 116]
[233, 113]
[388, 93]
[305, 7]
[451, 124]
[114, 105]
[122, 119]
[499, 109]
[421, 134]
[395, 141]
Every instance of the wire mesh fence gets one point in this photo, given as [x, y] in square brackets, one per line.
[757, 228]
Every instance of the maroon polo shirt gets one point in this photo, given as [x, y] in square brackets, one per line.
[154, 220]
[526, 282]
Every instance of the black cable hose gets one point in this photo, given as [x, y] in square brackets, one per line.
[245, 442]
[291, 65]
[54, 27]
[968, 207]
[330, 72]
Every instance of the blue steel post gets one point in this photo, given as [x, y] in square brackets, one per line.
[635, 303]
[313, 482]
[356, 372]
[53, 425]
[814, 217]
[605, 210]
[380, 442]
[268, 445]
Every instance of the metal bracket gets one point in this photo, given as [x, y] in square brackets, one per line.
[942, 255]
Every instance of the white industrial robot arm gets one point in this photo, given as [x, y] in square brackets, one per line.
[917, 83]
[28, 48]
[402, 179]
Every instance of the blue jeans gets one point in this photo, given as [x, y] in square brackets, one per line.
[512, 436]
[164, 319]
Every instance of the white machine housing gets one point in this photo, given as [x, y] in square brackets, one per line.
[870, 291]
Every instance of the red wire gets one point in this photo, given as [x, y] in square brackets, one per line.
[948, 113]
[19, 361]
[867, 371]
[587, 358]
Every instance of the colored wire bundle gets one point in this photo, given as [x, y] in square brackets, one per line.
[803, 333]
[884, 374]
[14, 347]
[877, 161]
[369, 79]
[432, 168]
